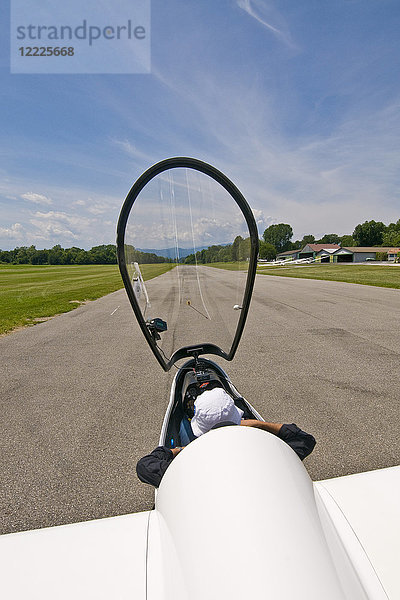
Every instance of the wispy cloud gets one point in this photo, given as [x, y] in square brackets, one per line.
[310, 138]
[36, 198]
[316, 181]
[132, 151]
[97, 208]
[261, 11]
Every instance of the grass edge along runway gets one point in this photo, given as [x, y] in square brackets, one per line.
[364, 274]
[30, 294]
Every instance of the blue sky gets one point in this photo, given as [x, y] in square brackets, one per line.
[297, 102]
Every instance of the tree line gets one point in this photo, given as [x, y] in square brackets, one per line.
[277, 238]
[239, 250]
[98, 255]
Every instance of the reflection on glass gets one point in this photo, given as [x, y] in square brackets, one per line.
[185, 218]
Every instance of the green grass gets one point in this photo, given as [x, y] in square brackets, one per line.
[30, 293]
[229, 266]
[378, 275]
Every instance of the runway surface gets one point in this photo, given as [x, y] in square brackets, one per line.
[83, 398]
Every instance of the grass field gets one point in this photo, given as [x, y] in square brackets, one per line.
[29, 294]
[378, 275]
[365, 274]
[230, 266]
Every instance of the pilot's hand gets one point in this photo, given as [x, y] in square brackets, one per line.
[176, 450]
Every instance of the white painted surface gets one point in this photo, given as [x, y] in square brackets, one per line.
[352, 563]
[370, 505]
[98, 560]
[237, 519]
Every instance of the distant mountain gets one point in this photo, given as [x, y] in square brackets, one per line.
[171, 252]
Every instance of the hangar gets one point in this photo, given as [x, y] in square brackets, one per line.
[289, 255]
[313, 250]
[367, 253]
[333, 253]
[394, 254]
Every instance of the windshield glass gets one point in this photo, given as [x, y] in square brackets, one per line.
[191, 228]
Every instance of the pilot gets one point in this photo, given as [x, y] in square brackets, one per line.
[215, 408]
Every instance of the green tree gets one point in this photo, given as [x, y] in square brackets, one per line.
[329, 238]
[245, 249]
[307, 239]
[381, 256]
[369, 233]
[279, 236]
[104, 255]
[394, 226]
[225, 253]
[31, 253]
[235, 248]
[267, 251]
[82, 258]
[55, 255]
[190, 259]
[5, 256]
[21, 255]
[391, 237]
[347, 240]
[201, 256]
[41, 257]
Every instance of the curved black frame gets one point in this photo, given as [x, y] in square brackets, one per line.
[198, 165]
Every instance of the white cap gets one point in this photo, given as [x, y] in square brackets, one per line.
[212, 407]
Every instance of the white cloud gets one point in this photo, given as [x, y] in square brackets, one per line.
[55, 225]
[321, 177]
[97, 208]
[36, 198]
[68, 221]
[261, 11]
[315, 181]
[132, 151]
[262, 221]
[187, 231]
[77, 221]
[14, 233]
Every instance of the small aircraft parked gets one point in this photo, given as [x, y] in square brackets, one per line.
[236, 515]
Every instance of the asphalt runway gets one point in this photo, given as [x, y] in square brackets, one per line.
[83, 398]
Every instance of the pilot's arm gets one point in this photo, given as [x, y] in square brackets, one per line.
[270, 427]
[301, 442]
[151, 468]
